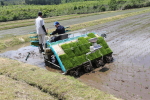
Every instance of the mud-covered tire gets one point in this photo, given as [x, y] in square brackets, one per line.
[74, 73]
[46, 62]
[101, 63]
[87, 68]
[109, 59]
[98, 63]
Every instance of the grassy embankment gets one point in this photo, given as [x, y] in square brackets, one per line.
[15, 90]
[15, 40]
[28, 22]
[55, 84]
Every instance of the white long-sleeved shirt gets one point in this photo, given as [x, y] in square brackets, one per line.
[39, 22]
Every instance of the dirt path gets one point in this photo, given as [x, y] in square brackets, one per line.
[128, 77]
[28, 29]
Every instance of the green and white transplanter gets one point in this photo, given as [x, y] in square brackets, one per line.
[76, 55]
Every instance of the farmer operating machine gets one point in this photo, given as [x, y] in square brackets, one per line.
[76, 54]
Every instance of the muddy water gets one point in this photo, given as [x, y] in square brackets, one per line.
[20, 54]
[128, 77]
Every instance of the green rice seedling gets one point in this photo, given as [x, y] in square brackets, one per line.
[77, 51]
[82, 47]
[87, 38]
[84, 58]
[75, 48]
[69, 52]
[133, 75]
[73, 44]
[127, 85]
[67, 64]
[3, 45]
[108, 50]
[75, 61]
[82, 39]
[92, 56]
[81, 59]
[91, 35]
[65, 46]
[107, 84]
[85, 42]
[64, 56]
[103, 51]
[87, 45]
[98, 54]
[35, 43]
[102, 42]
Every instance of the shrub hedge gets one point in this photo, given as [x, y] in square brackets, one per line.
[20, 12]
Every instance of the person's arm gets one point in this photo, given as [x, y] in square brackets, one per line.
[54, 32]
[44, 29]
[42, 23]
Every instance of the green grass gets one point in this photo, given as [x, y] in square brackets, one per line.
[12, 90]
[7, 42]
[60, 86]
[28, 22]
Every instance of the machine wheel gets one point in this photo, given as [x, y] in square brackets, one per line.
[46, 63]
[99, 63]
[87, 68]
[74, 73]
[109, 59]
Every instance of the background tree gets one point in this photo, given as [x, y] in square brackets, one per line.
[112, 5]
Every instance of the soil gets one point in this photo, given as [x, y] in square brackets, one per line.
[128, 77]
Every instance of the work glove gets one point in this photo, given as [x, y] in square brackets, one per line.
[50, 34]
